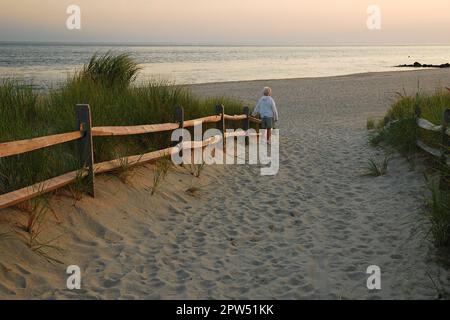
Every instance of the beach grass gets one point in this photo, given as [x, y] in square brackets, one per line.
[107, 83]
[111, 70]
[398, 129]
[196, 169]
[160, 171]
[376, 169]
[438, 212]
[371, 123]
[32, 231]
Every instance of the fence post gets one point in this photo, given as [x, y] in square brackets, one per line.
[179, 118]
[246, 123]
[417, 115]
[418, 112]
[85, 145]
[445, 144]
[220, 111]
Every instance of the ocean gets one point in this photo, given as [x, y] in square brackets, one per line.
[47, 65]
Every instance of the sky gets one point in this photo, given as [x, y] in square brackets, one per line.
[293, 22]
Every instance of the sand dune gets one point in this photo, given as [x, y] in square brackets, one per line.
[308, 233]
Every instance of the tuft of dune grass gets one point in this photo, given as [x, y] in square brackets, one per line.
[111, 70]
[377, 169]
[371, 124]
[438, 212]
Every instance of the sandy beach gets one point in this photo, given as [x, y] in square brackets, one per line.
[308, 233]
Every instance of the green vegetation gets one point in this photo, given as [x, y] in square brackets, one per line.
[78, 187]
[398, 129]
[110, 70]
[370, 124]
[375, 169]
[159, 173]
[107, 84]
[196, 169]
[439, 213]
[31, 232]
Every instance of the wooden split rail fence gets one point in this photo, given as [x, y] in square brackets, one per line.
[84, 137]
[442, 129]
[442, 153]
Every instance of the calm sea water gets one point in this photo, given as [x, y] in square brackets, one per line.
[47, 65]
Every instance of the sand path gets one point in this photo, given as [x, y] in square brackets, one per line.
[312, 231]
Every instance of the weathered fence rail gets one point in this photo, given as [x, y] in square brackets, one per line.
[211, 119]
[23, 146]
[255, 120]
[85, 143]
[125, 131]
[442, 129]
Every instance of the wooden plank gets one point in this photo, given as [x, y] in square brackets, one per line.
[255, 120]
[18, 147]
[138, 159]
[27, 193]
[131, 161]
[241, 134]
[427, 125]
[199, 144]
[235, 134]
[235, 117]
[211, 119]
[142, 129]
[133, 130]
[432, 151]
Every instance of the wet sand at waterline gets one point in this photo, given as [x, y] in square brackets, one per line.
[308, 233]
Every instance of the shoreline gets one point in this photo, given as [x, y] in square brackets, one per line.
[45, 87]
[360, 74]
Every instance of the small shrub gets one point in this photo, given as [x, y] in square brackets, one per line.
[400, 134]
[111, 70]
[33, 230]
[439, 213]
[375, 169]
[159, 173]
[78, 187]
[196, 169]
[371, 124]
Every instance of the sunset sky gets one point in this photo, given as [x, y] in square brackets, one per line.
[227, 21]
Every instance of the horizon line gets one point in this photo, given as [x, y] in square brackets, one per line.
[218, 44]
